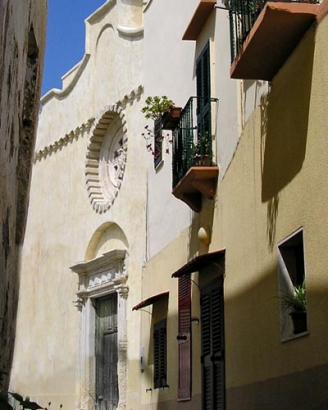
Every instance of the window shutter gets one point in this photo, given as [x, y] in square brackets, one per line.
[184, 339]
[206, 75]
[204, 93]
[217, 312]
[199, 84]
[160, 355]
[212, 359]
[158, 142]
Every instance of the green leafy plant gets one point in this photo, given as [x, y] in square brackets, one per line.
[156, 106]
[295, 302]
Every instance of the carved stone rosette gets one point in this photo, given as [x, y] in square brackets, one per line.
[106, 158]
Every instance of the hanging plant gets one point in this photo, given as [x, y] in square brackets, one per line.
[156, 106]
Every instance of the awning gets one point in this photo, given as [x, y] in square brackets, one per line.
[151, 300]
[198, 262]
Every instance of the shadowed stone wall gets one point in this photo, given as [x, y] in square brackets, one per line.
[22, 37]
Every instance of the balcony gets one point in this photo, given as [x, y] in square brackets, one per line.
[194, 172]
[263, 34]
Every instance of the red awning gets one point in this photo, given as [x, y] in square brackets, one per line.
[198, 262]
[151, 300]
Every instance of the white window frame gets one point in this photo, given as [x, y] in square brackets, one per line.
[286, 286]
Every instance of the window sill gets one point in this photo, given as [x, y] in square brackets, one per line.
[293, 337]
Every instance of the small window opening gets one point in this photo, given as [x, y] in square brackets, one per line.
[292, 291]
[158, 143]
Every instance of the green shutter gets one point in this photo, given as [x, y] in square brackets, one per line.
[203, 74]
[160, 355]
[212, 359]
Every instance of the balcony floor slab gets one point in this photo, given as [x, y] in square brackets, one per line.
[198, 181]
[275, 34]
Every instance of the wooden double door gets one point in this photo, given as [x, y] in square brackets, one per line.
[213, 357]
[107, 394]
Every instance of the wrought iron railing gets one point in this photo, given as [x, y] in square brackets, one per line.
[192, 140]
[243, 14]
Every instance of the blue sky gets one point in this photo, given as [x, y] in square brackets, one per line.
[65, 37]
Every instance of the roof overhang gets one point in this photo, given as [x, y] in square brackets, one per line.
[150, 301]
[199, 18]
[199, 262]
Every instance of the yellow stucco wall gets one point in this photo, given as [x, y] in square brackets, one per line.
[275, 185]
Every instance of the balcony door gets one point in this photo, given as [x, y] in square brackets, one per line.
[106, 353]
[212, 343]
[204, 94]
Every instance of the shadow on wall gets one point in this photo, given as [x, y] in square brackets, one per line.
[18, 128]
[253, 346]
[284, 127]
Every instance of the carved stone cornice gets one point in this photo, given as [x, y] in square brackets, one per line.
[85, 128]
[100, 274]
[73, 135]
[109, 260]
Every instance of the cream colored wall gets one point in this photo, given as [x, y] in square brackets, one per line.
[157, 279]
[273, 186]
[61, 222]
[168, 70]
[110, 55]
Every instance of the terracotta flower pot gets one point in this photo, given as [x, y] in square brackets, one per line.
[170, 119]
[203, 161]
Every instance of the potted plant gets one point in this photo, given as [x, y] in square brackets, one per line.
[202, 152]
[295, 303]
[162, 109]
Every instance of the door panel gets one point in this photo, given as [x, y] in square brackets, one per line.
[106, 353]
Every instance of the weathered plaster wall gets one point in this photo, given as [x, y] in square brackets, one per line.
[22, 42]
[62, 223]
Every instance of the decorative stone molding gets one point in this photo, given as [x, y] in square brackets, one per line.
[147, 5]
[105, 271]
[99, 277]
[107, 154]
[130, 31]
[62, 142]
[106, 158]
[85, 128]
[60, 94]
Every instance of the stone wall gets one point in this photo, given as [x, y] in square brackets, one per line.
[22, 42]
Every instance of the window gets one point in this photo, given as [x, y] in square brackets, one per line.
[158, 143]
[293, 315]
[184, 338]
[212, 338]
[160, 355]
[204, 93]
